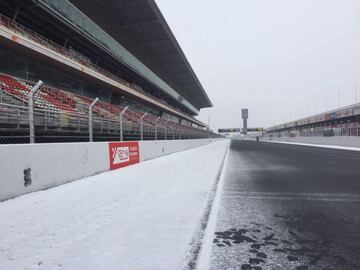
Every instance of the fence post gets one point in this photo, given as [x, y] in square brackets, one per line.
[31, 109]
[166, 129]
[121, 123]
[156, 121]
[90, 119]
[18, 119]
[46, 120]
[142, 126]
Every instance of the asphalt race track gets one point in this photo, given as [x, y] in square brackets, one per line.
[288, 207]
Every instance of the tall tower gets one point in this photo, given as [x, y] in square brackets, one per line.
[244, 116]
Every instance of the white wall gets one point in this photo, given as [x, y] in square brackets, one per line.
[153, 149]
[50, 164]
[56, 164]
[341, 141]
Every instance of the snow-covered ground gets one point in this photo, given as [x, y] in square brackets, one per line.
[139, 217]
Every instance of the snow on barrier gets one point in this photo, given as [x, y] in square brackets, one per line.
[31, 167]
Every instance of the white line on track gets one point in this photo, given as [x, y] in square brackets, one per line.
[204, 260]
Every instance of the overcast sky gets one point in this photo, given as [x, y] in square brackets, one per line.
[282, 59]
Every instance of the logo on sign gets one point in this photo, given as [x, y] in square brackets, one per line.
[120, 155]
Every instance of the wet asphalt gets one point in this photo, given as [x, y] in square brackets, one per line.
[288, 207]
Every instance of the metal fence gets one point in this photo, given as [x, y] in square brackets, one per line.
[320, 132]
[329, 132]
[16, 125]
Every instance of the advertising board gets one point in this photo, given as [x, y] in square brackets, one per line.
[228, 130]
[122, 154]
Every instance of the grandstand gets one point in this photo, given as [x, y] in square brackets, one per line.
[122, 52]
[340, 122]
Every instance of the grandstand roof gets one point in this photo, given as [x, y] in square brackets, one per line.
[128, 38]
[140, 27]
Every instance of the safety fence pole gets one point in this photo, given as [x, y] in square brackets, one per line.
[166, 129]
[156, 122]
[31, 109]
[142, 126]
[90, 119]
[121, 123]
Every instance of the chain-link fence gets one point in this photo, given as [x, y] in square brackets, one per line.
[14, 124]
[17, 121]
[41, 118]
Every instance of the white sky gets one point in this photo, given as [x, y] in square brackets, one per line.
[282, 59]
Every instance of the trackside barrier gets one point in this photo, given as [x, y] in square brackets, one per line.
[31, 167]
[335, 140]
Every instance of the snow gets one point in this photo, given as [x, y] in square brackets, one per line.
[139, 217]
[207, 241]
[320, 145]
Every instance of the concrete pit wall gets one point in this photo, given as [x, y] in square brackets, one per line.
[31, 167]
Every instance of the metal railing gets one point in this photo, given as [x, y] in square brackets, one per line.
[71, 54]
[60, 126]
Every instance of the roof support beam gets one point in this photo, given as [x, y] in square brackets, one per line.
[16, 14]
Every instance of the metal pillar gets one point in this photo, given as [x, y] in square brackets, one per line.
[121, 123]
[31, 109]
[156, 121]
[142, 126]
[90, 119]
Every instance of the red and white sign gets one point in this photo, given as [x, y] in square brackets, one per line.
[123, 154]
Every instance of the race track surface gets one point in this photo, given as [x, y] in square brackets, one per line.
[288, 207]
